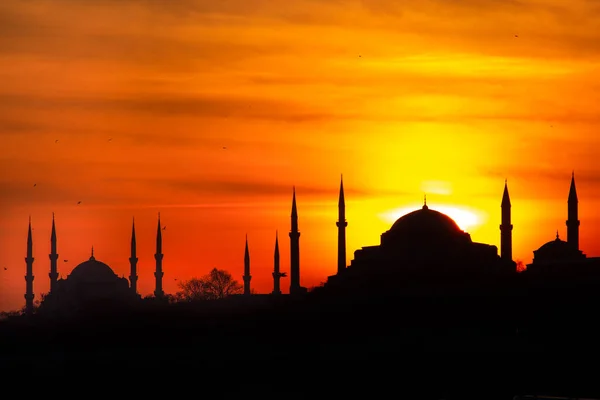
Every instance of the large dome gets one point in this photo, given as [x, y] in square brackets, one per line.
[424, 228]
[93, 270]
[425, 221]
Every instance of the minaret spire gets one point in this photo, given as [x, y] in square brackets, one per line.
[506, 226]
[247, 276]
[277, 274]
[29, 273]
[158, 274]
[573, 215]
[295, 287]
[53, 258]
[133, 261]
[341, 224]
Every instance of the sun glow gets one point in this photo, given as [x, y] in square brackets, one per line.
[466, 218]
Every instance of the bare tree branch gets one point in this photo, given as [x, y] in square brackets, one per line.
[217, 284]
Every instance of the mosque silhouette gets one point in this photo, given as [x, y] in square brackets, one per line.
[422, 246]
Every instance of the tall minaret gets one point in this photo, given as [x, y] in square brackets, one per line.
[158, 274]
[277, 275]
[247, 276]
[53, 258]
[573, 216]
[294, 250]
[506, 227]
[133, 261]
[29, 277]
[341, 224]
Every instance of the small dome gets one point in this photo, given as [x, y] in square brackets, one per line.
[425, 221]
[92, 270]
[557, 249]
[556, 246]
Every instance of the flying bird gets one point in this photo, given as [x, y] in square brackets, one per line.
[164, 227]
[110, 140]
[516, 36]
[6, 269]
[65, 260]
[35, 184]
[224, 148]
[79, 202]
[56, 141]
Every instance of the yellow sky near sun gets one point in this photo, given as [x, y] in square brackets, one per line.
[442, 97]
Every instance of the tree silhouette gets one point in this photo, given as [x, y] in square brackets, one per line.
[38, 303]
[217, 284]
[10, 314]
[316, 287]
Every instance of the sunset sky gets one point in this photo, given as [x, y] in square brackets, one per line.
[440, 97]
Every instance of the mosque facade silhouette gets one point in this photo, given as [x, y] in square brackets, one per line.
[423, 244]
[564, 257]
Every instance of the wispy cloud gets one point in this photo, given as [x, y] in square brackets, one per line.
[249, 188]
[547, 180]
[199, 106]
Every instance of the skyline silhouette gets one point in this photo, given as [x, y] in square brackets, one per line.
[182, 110]
[433, 227]
[302, 199]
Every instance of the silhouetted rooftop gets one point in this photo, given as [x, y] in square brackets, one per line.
[92, 270]
[425, 221]
[556, 246]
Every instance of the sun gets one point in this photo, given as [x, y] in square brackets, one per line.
[466, 218]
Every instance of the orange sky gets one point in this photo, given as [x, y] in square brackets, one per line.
[440, 96]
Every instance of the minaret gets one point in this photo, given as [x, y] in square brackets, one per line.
[29, 277]
[506, 226]
[247, 276]
[341, 224]
[133, 261]
[294, 250]
[277, 275]
[573, 216]
[53, 258]
[158, 274]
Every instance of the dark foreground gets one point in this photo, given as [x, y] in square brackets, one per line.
[451, 346]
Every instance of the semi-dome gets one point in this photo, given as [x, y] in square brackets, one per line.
[425, 221]
[92, 270]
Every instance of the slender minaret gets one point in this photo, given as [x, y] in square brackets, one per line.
[573, 216]
[53, 258]
[341, 224]
[277, 275]
[158, 274]
[247, 276]
[29, 277]
[294, 250]
[133, 261]
[506, 226]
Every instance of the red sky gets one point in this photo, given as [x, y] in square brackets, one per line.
[442, 97]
